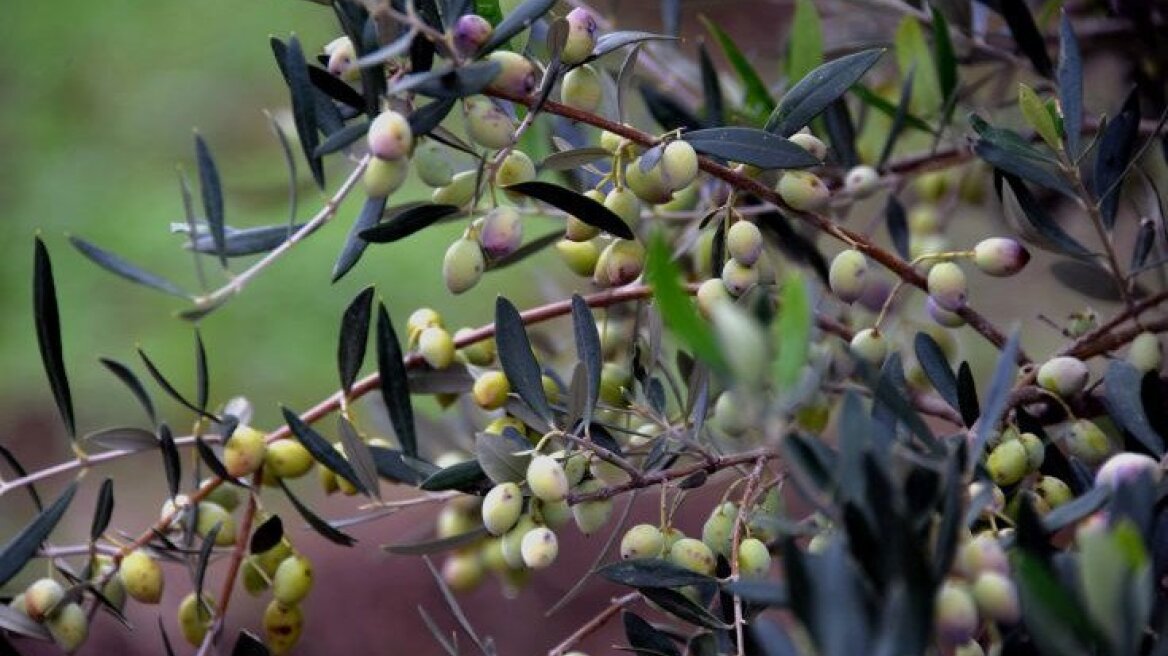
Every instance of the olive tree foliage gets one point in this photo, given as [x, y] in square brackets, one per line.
[735, 329]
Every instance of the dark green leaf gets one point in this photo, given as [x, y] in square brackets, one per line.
[450, 83]
[896, 222]
[793, 329]
[354, 335]
[967, 395]
[711, 88]
[515, 22]
[48, 329]
[1005, 150]
[764, 593]
[504, 457]
[1025, 32]
[465, 476]
[644, 639]
[611, 41]
[207, 454]
[936, 366]
[677, 311]
[303, 105]
[666, 110]
[407, 222]
[651, 573]
[817, 90]
[322, 450]
[841, 133]
[1070, 84]
[395, 389]
[247, 241]
[682, 607]
[998, 394]
[15, 622]
[395, 48]
[355, 242]
[171, 461]
[204, 559]
[21, 472]
[588, 352]
[943, 55]
[202, 379]
[427, 117]
[103, 511]
[1123, 383]
[319, 525]
[332, 87]
[341, 139]
[517, 359]
[249, 644]
[758, 102]
[1053, 617]
[1116, 145]
[131, 381]
[952, 510]
[128, 438]
[578, 205]
[212, 192]
[455, 379]
[1040, 228]
[877, 102]
[267, 535]
[438, 545]
[390, 465]
[898, 118]
[169, 389]
[1089, 279]
[750, 146]
[1142, 248]
[24, 545]
[1076, 509]
[120, 267]
[566, 160]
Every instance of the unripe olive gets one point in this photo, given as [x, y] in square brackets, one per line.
[501, 232]
[1007, 463]
[955, 613]
[499, 424]
[946, 282]
[1053, 491]
[710, 293]
[69, 627]
[679, 164]
[480, 353]
[462, 571]
[269, 560]
[932, 186]
[810, 143]
[744, 242]
[501, 508]
[419, 320]
[491, 389]
[615, 379]
[848, 275]
[341, 55]
[942, 316]
[861, 181]
[738, 278]
[997, 597]
[693, 555]
[491, 555]
[436, 347]
[623, 261]
[672, 535]
[625, 204]
[718, 529]
[282, 626]
[142, 577]
[734, 413]
[642, 541]
[227, 496]
[580, 256]
[606, 472]
[383, 177]
[516, 75]
[575, 467]
[471, 31]
[515, 168]
[1127, 467]
[487, 124]
[453, 520]
[870, 346]
[463, 265]
[1145, 352]
[390, 136]
[194, 618]
[113, 590]
[546, 478]
[287, 459]
[41, 598]
[432, 165]
[581, 89]
[459, 192]
[1086, 441]
[754, 559]
[553, 514]
[244, 451]
[1064, 375]
[292, 580]
[1000, 256]
[1035, 450]
[803, 191]
[512, 542]
[923, 219]
[581, 36]
[539, 547]
[592, 515]
[649, 186]
[211, 514]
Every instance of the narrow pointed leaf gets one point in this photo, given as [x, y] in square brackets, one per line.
[1116, 146]
[578, 205]
[354, 335]
[355, 243]
[566, 160]
[171, 462]
[303, 106]
[651, 573]
[612, 41]
[406, 223]
[682, 607]
[669, 113]
[880, 104]
[750, 146]
[967, 395]
[588, 351]
[998, 394]
[515, 22]
[1070, 84]
[103, 510]
[1123, 383]
[902, 108]
[212, 192]
[202, 378]
[207, 455]
[715, 110]
[449, 83]
[319, 525]
[896, 222]
[793, 330]
[533, 247]
[1025, 33]
[943, 55]
[24, 545]
[48, 328]
[758, 102]
[424, 119]
[321, 449]
[247, 241]
[677, 311]
[119, 267]
[21, 472]
[358, 456]
[1039, 228]
[817, 90]
[518, 360]
[267, 535]
[204, 559]
[395, 48]
[917, 68]
[936, 366]
[130, 380]
[341, 139]
[168, 388]
[644, 639]
[395, 390]
[466, 477]
[1006, 150]
[841, 133]
[438, 545]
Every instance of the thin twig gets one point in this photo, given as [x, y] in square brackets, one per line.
[594, 624]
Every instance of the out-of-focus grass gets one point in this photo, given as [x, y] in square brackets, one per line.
[98, 108]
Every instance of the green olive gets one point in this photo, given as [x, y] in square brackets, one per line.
[502, 507]
[282, 626]
[292, 580]
[142, 577]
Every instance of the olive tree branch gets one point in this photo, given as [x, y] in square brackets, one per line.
[242, 538]
[735, 539]
[594, 624]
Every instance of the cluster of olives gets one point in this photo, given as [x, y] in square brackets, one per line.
[289, 576]
[978, 590]
[44, 602]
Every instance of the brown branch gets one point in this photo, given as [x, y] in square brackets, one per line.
[242, 538]
[594, 624]
[712, 466]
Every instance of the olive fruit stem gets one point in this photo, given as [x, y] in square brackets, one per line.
[238, 553]
[594, 624]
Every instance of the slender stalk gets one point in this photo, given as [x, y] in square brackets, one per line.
[712, 466]
[735, 540]
[243, 536]
[594, 624]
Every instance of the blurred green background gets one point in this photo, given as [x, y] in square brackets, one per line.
[98, 106]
